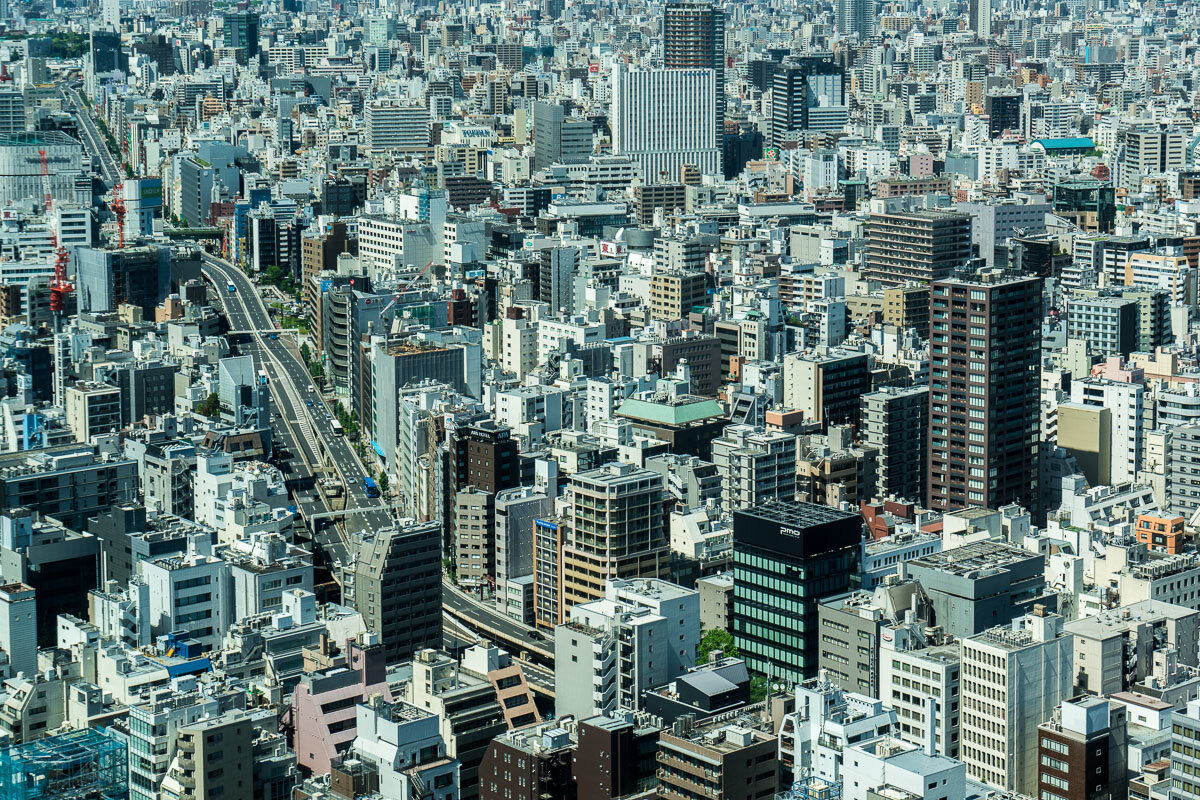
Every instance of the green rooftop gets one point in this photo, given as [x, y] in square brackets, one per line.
[692, 409]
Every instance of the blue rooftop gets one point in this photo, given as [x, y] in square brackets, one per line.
[1073, 143]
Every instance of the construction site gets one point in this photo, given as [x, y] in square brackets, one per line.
[78, 765]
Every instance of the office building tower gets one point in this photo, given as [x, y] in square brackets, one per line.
[983, 392]
[618, 530]
[827, 385]
[106, 279]
[12, 112]
[187, 594]
[558, 138]
[664, 119]
[895, 421]
[855, 18]
[915, 672]
[980, 18]
[1089, 203]
[106, 52]
[981, 584]
[1013, 678]
[694, 38]
[110, 14]
[391, 125]
[919, 246]
[241, 32]
[18, 627]
[86, 484]
[786, 558]
[1003, 110]
[394, 581]
[801, 88]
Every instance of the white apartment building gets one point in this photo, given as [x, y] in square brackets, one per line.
[189, 593]
[755, 466]
[1126, 406]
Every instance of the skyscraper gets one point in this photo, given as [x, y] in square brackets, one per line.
[694, 38]
[981, 18]
[664, 119]
[855, 17]
[559, 139]
[110, 14]
[983, 391]
[786, 557]
[241, 31]
[800, 85]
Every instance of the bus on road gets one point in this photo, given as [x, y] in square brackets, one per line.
[337, 428]
[369, 487]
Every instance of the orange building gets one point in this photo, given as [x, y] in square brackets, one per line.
[1164, 534]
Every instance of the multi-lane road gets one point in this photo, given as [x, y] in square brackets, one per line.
[93, 139]
[307, 431]
[299, 404]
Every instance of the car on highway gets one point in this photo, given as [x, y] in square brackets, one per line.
[310, 403]
[537, 636]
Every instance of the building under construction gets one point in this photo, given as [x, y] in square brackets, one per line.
[79, 765]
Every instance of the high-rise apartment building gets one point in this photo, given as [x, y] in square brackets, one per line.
[394, 581]
[786, 558]
[983, 391]
[979, 16]
[895, 421]
[755, 466]
[391, 125]
[618, 530]
[1152, 152]
[664, 119]
[920, 246]
[694, 38]
[855, 18]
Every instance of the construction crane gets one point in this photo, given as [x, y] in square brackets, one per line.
[60, 287]
[118, 207]
[407, 286]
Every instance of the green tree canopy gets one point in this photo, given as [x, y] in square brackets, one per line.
[716, 639]
[210, 406]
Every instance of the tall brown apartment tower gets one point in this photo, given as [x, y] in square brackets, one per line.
[985, 336]
[920, 246]
[694, 38]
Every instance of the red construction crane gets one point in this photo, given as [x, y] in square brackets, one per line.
[48, 198]
[118, 207]
[60, 287]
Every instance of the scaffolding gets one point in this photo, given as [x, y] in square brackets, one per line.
[78, 765]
